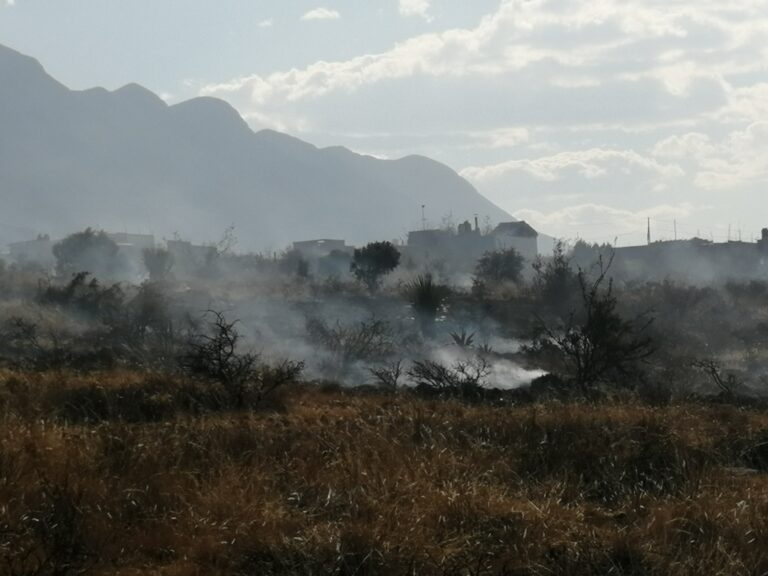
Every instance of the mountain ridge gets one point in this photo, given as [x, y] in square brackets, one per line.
[126, 159]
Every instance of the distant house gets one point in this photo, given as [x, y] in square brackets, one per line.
[457, 251]
[131, 248]
[325, 257]
[695, 260]
[38, 251]
[763, 242]
[518, 235]
[189, 259]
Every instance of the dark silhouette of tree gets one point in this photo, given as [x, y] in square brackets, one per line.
[499, 266]
[555, 283]
[158, 263]
[597, 344]
[88, 251]
[373, 261]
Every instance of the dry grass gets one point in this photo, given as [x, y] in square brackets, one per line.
[358, 483]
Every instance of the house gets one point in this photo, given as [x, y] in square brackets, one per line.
[131, 248]
[189, 259]
[325, 257]
[518, 235]
[38, 251]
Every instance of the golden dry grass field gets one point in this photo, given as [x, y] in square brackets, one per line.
[329, 481]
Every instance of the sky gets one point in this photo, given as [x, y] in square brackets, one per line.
[585, 118]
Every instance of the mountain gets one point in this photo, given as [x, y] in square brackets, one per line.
[125, 160]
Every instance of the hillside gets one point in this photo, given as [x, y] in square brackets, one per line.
[126, 160]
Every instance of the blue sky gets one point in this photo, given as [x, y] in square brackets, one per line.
[584, 118]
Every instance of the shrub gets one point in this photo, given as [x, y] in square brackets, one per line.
[367, 341]
[427, 297]
[373, 261]
[464, 378]
[90, 251]
[596, 342]
[158, 263]
[499, 266]
[214, 357]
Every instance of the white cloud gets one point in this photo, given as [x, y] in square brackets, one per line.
[553, 102]
[591, 163]
[414, 8]
[9, 2]
[603, 223]
[738, 160]
[321, 14]
[268, 23]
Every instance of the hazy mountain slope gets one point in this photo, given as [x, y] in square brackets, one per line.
[125, 160]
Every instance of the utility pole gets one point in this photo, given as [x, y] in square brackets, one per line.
[649, 231]
[423, 218]
[675, 229]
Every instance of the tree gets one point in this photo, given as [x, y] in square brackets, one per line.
[88, 251]
[555, 283]
[499, 266]
[158, 263]
[214, 355]
[596, 343]
[373, 261]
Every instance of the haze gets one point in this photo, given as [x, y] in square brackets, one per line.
[583, 118]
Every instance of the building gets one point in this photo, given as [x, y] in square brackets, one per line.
[325, 257]
[696, 261]
[131, 249]
[189, 259]
[38, 251]
[518, 235]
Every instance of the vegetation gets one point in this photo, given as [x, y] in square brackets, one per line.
[87, 251]
[372, 262]
[498, 267]
[158, 262]
[253, 418]
[351, 482]
[596, 343]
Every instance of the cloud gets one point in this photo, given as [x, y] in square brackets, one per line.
[542, 103]
[321, 14]
[9, 2]
[268, 23]
[604, 223]
[414, 8]
[740, 159]
[591, 163]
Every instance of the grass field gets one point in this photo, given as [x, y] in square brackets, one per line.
[328, 481]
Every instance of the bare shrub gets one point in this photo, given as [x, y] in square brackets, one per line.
[596, 343]
[464, 378]
[214, 356]
[388, 375]
[349, 344]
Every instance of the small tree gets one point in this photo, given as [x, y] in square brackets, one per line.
[499, 266]
[373, 261]
[87, 251]
[158, 263]
[214, 356]
[555, 282]
[596, 343]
